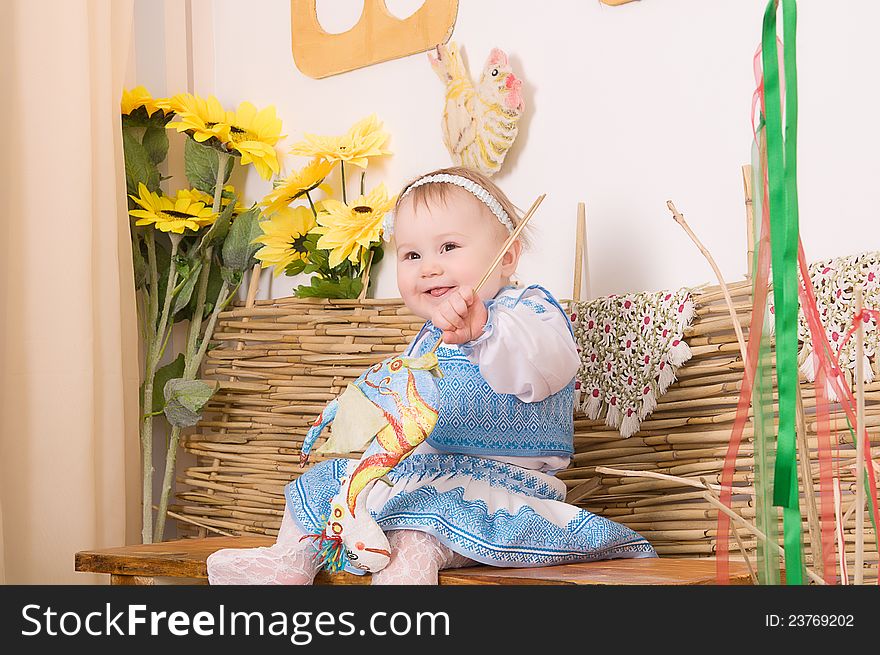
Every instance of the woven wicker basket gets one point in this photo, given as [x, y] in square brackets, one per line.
[280, 361]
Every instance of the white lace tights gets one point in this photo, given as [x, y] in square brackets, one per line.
[287, 561]
[416, 558]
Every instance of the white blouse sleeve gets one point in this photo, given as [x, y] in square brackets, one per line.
[526, 350]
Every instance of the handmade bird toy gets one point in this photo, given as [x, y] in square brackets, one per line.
[479, 121]
[396, 404]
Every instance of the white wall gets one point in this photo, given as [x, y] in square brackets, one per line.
[627, 107]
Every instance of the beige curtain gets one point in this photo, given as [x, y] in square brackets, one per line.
[68, 333]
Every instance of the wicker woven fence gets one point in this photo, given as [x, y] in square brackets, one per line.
[281, 360]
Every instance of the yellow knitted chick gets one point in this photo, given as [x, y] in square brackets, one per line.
[479, 122]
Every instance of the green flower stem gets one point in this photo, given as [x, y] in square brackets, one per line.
[165, 325]
[231, 295]
[193, 360]
[154, 283]
[149, 374]
[170, 461]
[363, 181]
[152, 361]
[195, 327]
[164, 344]
[365, 276]
[311, 204]
[342, 172]
[222, 158]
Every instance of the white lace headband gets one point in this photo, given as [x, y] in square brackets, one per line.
[470, 186]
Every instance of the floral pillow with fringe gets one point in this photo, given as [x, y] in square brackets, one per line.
[631, 346]
[834, 281]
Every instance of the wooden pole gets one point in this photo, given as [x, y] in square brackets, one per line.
[860, 439]
[750, 219]
[807, 481]
[838, 533]
[580, 233]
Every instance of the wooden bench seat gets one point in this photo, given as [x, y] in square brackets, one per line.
[185, 558]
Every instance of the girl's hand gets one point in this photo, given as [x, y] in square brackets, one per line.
[462, 316]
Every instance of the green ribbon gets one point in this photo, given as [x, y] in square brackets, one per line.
[782, 176]
[764, 440]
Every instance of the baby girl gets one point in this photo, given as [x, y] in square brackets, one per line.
[481, 489]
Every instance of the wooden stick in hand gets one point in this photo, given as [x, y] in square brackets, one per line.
[513, 236]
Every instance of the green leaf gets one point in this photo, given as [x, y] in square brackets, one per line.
[139, 168]
[321, 288]
[311, 268]
[167, 372]
[200, 165]
[215, 281]
[230, 275]
[239, 247]
[138, 118]
[186, 291]
[296, 267]
[156, 144]
[220, 228]
[184, 400]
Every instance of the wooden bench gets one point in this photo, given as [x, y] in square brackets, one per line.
[185, 558]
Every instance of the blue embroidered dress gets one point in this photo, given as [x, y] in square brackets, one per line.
[483, 481]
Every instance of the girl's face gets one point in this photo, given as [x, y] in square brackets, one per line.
[445, 245]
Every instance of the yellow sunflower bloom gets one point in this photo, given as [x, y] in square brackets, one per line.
[283, 235]
[365, 139]
[170, 214]
[140, 97]
[178, 103]
[200, 118]
[296, 185]
[254, 134]
[194, 195]
[346, 229]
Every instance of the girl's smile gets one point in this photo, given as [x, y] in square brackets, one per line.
[443, 245]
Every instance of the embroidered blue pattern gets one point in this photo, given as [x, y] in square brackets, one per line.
[308, 497]
[497, 474]
[476, 420]
[524, 538]
[521, 538]
[510, 303]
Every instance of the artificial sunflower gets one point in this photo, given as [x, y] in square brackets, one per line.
[200, 118]
[178, 103]
[254, 134]
[170, 214]
[346, 229]
[284, 235]
[140, 97]
[365, 139]
[195, 195]
[296, 185]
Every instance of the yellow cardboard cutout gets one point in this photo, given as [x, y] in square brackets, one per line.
[378, 36]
